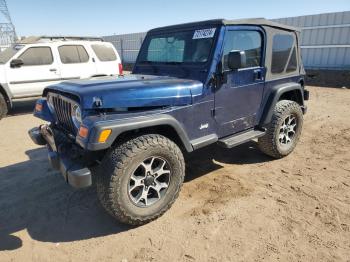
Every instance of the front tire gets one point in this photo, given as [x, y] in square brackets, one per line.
[283, 132]
[140, 179]
[3, 106]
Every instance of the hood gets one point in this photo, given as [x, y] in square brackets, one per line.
[131, 91]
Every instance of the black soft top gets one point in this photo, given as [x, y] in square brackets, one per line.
[251, 21]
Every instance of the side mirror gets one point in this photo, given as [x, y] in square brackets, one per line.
[16, 63]
[236, 60]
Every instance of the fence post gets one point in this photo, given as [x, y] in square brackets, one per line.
[122, 49]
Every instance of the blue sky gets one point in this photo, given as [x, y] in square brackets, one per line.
[105, 17]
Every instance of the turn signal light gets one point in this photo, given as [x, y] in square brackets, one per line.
[104, 135]
[83, 132]
[38, 107]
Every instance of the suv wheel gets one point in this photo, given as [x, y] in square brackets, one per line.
[3, 106]
[140, 179]
[284, 130]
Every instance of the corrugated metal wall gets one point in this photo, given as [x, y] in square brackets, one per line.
[325, 40]
[127, 45]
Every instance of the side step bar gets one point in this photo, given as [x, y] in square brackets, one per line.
[237, 139]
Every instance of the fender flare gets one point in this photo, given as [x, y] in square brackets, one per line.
[275, 94]
[7, 93]
[120, 126]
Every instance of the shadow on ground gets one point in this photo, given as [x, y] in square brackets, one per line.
[22, 107]
[35, 198]
[201, 162]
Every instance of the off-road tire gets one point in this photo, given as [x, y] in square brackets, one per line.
[3, 106]
[113, 174]
[269, 143]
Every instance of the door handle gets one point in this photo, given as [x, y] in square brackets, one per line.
[53, 69]
[258, 74]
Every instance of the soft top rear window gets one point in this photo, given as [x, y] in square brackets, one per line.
[283, 52]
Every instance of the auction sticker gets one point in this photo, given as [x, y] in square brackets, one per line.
[204, 33]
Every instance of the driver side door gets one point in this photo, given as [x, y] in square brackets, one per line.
[238, 99]
[39, 69]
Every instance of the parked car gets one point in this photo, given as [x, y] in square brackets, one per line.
[217, 81]
[30, 65]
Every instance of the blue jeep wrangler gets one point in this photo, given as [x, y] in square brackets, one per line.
[195, 84]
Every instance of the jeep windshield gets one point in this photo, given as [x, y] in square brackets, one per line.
[8, 53]
[190, 46]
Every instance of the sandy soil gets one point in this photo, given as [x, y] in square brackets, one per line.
[236, 205]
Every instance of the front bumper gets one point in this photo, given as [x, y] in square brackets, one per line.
[73, 172]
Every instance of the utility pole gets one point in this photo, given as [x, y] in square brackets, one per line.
[7, 30]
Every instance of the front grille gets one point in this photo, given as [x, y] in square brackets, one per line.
[63, 111]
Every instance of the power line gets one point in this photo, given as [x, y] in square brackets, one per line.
[7, 29]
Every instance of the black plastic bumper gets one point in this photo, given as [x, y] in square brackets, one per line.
[74, 174]
[36, 136]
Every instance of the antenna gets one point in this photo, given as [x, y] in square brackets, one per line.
[7, 29]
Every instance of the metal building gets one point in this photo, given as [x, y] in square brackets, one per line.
[128, 45]
[325, 40]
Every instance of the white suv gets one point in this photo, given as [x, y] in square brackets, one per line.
[30, 65]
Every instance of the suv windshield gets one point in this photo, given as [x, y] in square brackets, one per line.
[8, 53]
[188, 46]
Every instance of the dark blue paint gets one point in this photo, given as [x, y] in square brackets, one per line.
[184, 92]
[133, 91]
[45, 113]
[238, 100]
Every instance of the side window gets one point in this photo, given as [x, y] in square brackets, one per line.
[73, 54]
[248, 41]
[35, 56]
[83, 55]
[283, 54]
[104, 53]
[292, 65]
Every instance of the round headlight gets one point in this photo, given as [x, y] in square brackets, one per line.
[76, 115]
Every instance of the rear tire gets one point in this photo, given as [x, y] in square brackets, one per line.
[3, 106]
[140, 179]
[283, 132]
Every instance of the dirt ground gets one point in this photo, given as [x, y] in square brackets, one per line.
[235, 205]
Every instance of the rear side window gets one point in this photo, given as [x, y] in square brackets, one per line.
[34, 56]
[73, 54]
[104, 53]
[248, 41]
[283, 54]
[292, 65]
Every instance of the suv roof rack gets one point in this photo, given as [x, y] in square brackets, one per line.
[45, 38]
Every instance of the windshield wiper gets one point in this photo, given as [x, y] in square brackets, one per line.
[173, 63]
[180, 65]
[146, 62]
[151, 63]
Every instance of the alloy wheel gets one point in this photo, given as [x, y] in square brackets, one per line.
[149, 182]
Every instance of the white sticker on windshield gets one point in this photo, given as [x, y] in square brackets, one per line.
[204, 33]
